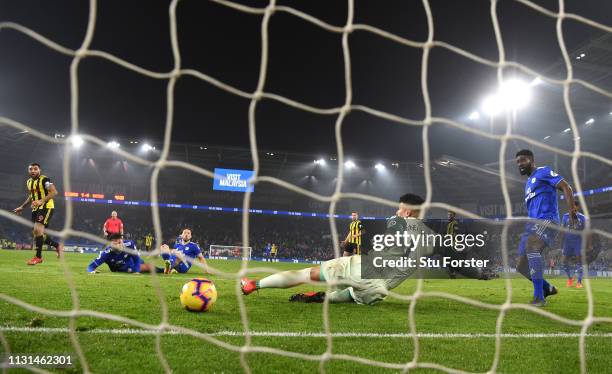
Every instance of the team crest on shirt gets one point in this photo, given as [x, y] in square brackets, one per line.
[533, 180]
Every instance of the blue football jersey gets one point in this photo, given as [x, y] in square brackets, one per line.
[117, 260]
[541, 194]
[189, 249]
[573, 240]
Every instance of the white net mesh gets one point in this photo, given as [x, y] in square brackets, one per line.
[226, 251]
[340, 112]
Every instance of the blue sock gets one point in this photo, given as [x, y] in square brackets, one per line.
[536, 268]
[165, 256]
[568, 270]
[172, 259]
[579, 271]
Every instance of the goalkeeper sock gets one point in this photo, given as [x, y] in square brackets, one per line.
[536, 269]
[568, 270]
[49, 241]
[579, 271]
[39, 243]
[285, 279]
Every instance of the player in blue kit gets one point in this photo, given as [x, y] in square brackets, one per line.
[541, 202]
[268, 250]
[118, 260]
[572, 243]
[182, 256]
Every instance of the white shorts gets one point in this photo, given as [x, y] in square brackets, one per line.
[347, 270]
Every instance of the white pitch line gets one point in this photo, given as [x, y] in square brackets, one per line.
[289, 334]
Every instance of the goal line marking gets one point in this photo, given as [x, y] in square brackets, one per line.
[290, 334]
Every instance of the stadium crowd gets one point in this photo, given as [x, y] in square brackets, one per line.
[295, 237]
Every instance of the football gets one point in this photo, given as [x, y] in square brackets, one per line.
[198, 295]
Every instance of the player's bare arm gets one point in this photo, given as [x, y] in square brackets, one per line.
[569, 198]
[19, 209]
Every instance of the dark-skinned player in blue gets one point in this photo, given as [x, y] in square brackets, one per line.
[540, 232]
[185, 252]
[119, 260]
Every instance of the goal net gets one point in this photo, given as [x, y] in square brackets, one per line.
[346, 31]
[226, 252]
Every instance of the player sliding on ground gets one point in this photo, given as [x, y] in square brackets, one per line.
[541, 202]
[118, 260]
[179, 259]
[348, 270]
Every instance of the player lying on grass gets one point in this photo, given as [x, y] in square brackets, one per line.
[118, 260]
[348, 270]
[179, 259]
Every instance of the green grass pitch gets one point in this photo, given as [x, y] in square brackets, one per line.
[109, 350]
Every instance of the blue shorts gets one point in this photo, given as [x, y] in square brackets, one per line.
[129, 267]
[182, 267]
[545, 230]
[572, 249]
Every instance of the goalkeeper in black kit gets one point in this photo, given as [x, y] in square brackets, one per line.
[355, 278]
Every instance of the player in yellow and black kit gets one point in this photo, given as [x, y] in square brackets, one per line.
[452, 228]
[352, 243]
[148, 242]
[41, 192]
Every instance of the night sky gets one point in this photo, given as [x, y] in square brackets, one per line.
[305, 64]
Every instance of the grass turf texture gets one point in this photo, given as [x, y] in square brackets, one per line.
[134, 297]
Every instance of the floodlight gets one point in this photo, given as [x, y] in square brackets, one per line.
[513, 94]
[77, 141]
[536, 81]
[491, 105]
